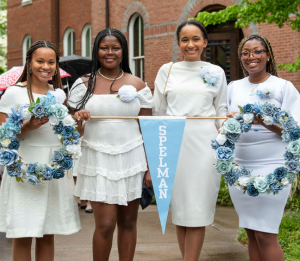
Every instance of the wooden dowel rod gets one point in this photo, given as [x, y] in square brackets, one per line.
[136, 118]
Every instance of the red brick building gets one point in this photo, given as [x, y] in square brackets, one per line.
[148, 25]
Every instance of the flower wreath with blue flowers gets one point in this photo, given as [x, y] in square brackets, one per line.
[240, 176]
[50, 105]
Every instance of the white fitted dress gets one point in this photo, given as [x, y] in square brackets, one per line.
[113, 164]
[197, 183]
[34, 211]
[262, 151]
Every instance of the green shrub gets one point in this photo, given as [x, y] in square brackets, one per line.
[224, 198]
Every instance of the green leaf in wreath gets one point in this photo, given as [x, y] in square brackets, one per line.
[241, 109]
[38, 100]
[19, 179]
[32, 104]
[118, 96]
[30, 109]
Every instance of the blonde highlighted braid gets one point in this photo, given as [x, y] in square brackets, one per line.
[26, 74]
[271, 64]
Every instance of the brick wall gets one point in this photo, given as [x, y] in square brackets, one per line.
[161, 17]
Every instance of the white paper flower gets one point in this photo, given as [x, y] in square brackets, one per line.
[59, 95]
[243, 181]
[222, 130]
[268, 120]
[59, 136]
[68, 121]
[238, 186]
[284, 181]
[221, 139]
[77, 155]
[248, 117]
[53, 120]
[74, 150]
[210, 75]
[5, 142]
[26, 114]
[127, 93]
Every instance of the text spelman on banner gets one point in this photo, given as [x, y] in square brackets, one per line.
[162, 139]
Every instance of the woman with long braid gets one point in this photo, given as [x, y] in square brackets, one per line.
[113, 166]
[28, 211]
[261, 149]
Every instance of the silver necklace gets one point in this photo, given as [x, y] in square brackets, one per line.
[111, 79]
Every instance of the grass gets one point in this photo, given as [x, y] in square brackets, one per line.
[288, 237]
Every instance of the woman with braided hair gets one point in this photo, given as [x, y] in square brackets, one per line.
[113, 166]
[261, 149]
[28, 211]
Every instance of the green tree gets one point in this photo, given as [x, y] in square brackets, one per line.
[280, 12]
[3, 32]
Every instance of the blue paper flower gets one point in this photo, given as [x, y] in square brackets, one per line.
[248, 108]
[239, 117]
[31, 168]
[245, 127]
[289, 124]
[14, 118]
[39, 111]
[233, 137]
[48, 174]
[289, 156]
[295, 134]
[286, 136]
[58, 173]
[68, 131]
[244, 172]
[14, 170]
[59, 111]
[229, 145]
[292, 166]
[232, 126]
[223, 153]
[281, 116]
[231, 177]
[57, 156]
[280, 173]
[252, 191]
[2, 131]
[214, 144]
[275, 188]
[257, 108]
[76, 135]
[270, 178]
[223, 166]
[32, 179]
[66, 163]
[8, 157]
[58, 128]
[11, 130]
[268, 109]
[14, 144]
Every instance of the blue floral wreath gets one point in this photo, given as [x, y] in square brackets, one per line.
[63, 125]
[240, 176]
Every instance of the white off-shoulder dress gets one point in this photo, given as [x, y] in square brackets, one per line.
[196, 183]
[34, 211]
[113, 162]
[261, 151]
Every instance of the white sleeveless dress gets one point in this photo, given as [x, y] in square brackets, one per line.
[262, 151]
[196, 183]
[47, 208]
[113, 164]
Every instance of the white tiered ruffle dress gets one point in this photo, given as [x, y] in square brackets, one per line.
[34, 211]
[261, 151]
[113, 164]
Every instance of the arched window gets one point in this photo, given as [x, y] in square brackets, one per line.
[26, 45]
[86, 41]
[69, 42]
[136, 45]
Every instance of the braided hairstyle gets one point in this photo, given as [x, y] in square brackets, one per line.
[271, 65]
[26, 74]
[124, 65]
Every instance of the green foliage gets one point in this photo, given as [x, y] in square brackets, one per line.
[280, 12]
[224, 198]
[288, 237]
[2, 70]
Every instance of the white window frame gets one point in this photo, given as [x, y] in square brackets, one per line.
[25, 44]
[26, 2]
[83, 40]
[66, 36]
[132, 58]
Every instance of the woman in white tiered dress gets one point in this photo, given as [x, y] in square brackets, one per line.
[113, 166]
[28, 211]
[261, 149]
[196, 182]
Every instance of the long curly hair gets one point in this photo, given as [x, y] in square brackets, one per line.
[271, 64]
[26, 75]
